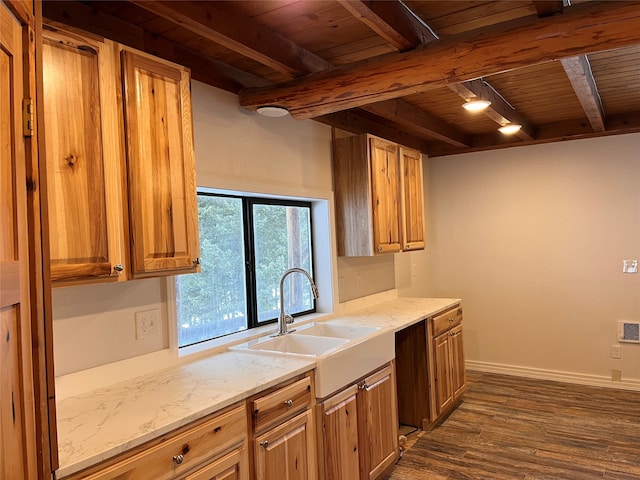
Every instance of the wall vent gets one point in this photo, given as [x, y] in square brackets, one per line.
[628, 331]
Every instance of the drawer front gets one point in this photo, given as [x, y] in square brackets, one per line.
[281, 404]
[446, 320]
[182, 452]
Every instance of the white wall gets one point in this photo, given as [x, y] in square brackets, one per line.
[236, 150]
[533, 240]
[95, 324]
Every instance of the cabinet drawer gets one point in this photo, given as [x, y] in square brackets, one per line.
[446, 320]
[281, 404]
[182, 452]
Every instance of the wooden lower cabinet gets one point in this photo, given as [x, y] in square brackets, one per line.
[284, 438]
[339, 436]
[233, 466]
[379, 426]
[449, 368]
[359, 435]
[287, 452]
[430, 368]
[214, 448]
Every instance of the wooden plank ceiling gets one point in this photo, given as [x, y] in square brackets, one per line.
[401, 69]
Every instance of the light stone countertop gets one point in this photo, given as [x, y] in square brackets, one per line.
[100, 424]
[398, 313]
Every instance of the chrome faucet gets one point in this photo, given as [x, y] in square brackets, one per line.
[284, 319]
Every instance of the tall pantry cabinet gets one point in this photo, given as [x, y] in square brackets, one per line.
[120, 164]
[17, 414]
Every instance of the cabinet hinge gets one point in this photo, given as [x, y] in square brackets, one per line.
[28, 126]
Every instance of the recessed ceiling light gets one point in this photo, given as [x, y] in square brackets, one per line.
[272, 111]
[476, 105]
[510, 128]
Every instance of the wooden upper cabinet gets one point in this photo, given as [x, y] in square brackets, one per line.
[378, 196]
[84, 158]
[120, 168]
[412, 199]
[161, 167]
[385, 192]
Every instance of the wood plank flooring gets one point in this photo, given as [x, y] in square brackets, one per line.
[516, 428]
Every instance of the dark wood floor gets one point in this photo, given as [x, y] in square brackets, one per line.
[515, 428]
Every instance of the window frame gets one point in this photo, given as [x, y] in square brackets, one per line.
[250, 266]
[248, 201]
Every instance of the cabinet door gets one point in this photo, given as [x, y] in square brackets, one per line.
[412, 200]
[233, 466]
[385, 195]
[287, 452]
[84, 154]
[17, 414]
[379, 427]
[340, 436]
[442, 367]
[163, 211]
[458, 376]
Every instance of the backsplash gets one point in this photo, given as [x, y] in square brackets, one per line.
[95, 324]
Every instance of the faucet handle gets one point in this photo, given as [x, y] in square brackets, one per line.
[289, 319]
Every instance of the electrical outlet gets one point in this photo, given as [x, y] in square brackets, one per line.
[146, 324]
[615, 351]
[616, 375]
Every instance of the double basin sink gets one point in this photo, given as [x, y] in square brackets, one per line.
[343, 352]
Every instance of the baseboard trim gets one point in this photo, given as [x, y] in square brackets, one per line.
[541, 374]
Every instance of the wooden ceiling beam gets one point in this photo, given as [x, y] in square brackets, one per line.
[352, 121]
[204, 69]
[547, 8]
[391, 20]
[578, 70]
[242, 35]
[589, 27]
[65, 14]
[417, 120]
[82, 16]
[499, 111]
[548, 133]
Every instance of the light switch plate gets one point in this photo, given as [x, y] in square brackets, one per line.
[630, 266]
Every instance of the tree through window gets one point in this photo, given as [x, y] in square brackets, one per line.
[246, 244]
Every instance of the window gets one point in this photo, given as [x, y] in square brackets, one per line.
[246, 244]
